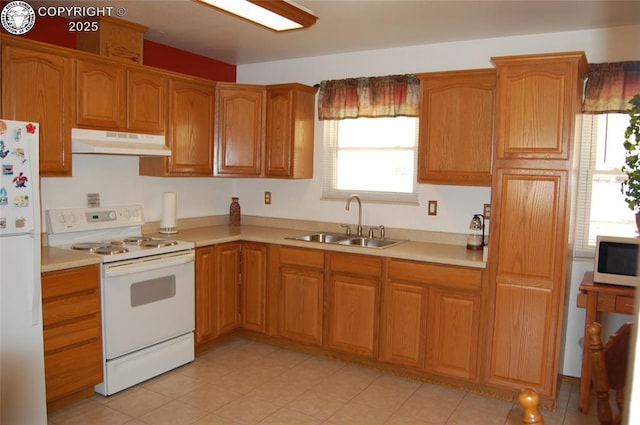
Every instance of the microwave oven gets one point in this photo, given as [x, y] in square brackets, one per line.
[617, 260]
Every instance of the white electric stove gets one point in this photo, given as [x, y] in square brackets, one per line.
[147, 288]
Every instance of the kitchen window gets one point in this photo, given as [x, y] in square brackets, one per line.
[374, 157]
[600, 203]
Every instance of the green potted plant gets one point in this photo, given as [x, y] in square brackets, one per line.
[631, 185]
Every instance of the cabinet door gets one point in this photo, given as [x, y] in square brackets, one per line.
[454, 327]
[404, 322]
[100, 95]
[254, 286]
[353, 314]
[456, 127]
[289, 131]
[227, 287]
[190, 135]
[300, 304]
[205, 295]
[528, 273]
[146, 101]
[239, 130]
[38, 86]
[537, 103]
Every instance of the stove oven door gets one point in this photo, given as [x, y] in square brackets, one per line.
[147, 301]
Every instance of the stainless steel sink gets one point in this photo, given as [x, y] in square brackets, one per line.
[322, 237]
[370, 243]
[334, 238]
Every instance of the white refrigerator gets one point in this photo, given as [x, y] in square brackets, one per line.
[22, 383]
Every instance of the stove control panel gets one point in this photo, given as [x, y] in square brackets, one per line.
[83, 219]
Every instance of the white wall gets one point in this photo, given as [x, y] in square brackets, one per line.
[116, 179]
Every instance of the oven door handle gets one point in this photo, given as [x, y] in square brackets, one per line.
[140, 265]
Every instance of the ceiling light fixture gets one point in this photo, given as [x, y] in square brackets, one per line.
[278, 15]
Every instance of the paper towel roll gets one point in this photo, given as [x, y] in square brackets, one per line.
[169, 211]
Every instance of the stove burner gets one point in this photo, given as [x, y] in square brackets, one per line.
[158, 243]
[110, 250]
[136, 240]
[90, 246]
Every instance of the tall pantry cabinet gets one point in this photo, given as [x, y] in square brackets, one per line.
[539, 98]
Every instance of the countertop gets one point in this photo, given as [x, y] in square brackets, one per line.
[59, 259]
[457, 255]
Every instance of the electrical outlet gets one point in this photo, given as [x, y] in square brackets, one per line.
[433, 208]
[487, 211]
[267, 198]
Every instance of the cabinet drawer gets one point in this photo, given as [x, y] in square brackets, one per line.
[65, 282]
[69, 370]
[58, 337]
[357, 264]
[63, 309]
[625, 304]
[301, 257]
[435, 274]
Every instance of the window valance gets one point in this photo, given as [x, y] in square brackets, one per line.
[388, 96]
[610, 86]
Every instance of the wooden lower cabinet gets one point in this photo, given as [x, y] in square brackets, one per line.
[353, 289]
[424, 316]
[217, 292]
[300, 294]
[72, 334]
[231, 283]
[205, 295]
[404, 324]
[253, 295]
[431, 318]
[453, 333]
[227, 287]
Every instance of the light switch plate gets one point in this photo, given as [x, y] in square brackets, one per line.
[433, 208]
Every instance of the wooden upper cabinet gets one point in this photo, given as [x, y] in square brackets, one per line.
[101, 95]
[456, 127]
[290, 131]
[37, 85]
[146, 101]
[189, 132]
[239, 129]
[537, 102]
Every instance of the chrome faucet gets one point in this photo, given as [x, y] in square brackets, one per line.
[357, 198]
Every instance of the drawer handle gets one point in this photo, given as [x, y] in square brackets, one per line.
[632, 306]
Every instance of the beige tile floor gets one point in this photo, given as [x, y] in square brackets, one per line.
[244, 382]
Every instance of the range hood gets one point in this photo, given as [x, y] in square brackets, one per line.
[117, 143]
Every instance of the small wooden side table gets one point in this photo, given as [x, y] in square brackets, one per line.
[596, 298]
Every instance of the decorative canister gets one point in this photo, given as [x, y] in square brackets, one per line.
[234, 212]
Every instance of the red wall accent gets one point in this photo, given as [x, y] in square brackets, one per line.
[55, 30]
[52, 30]
[172, 59]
